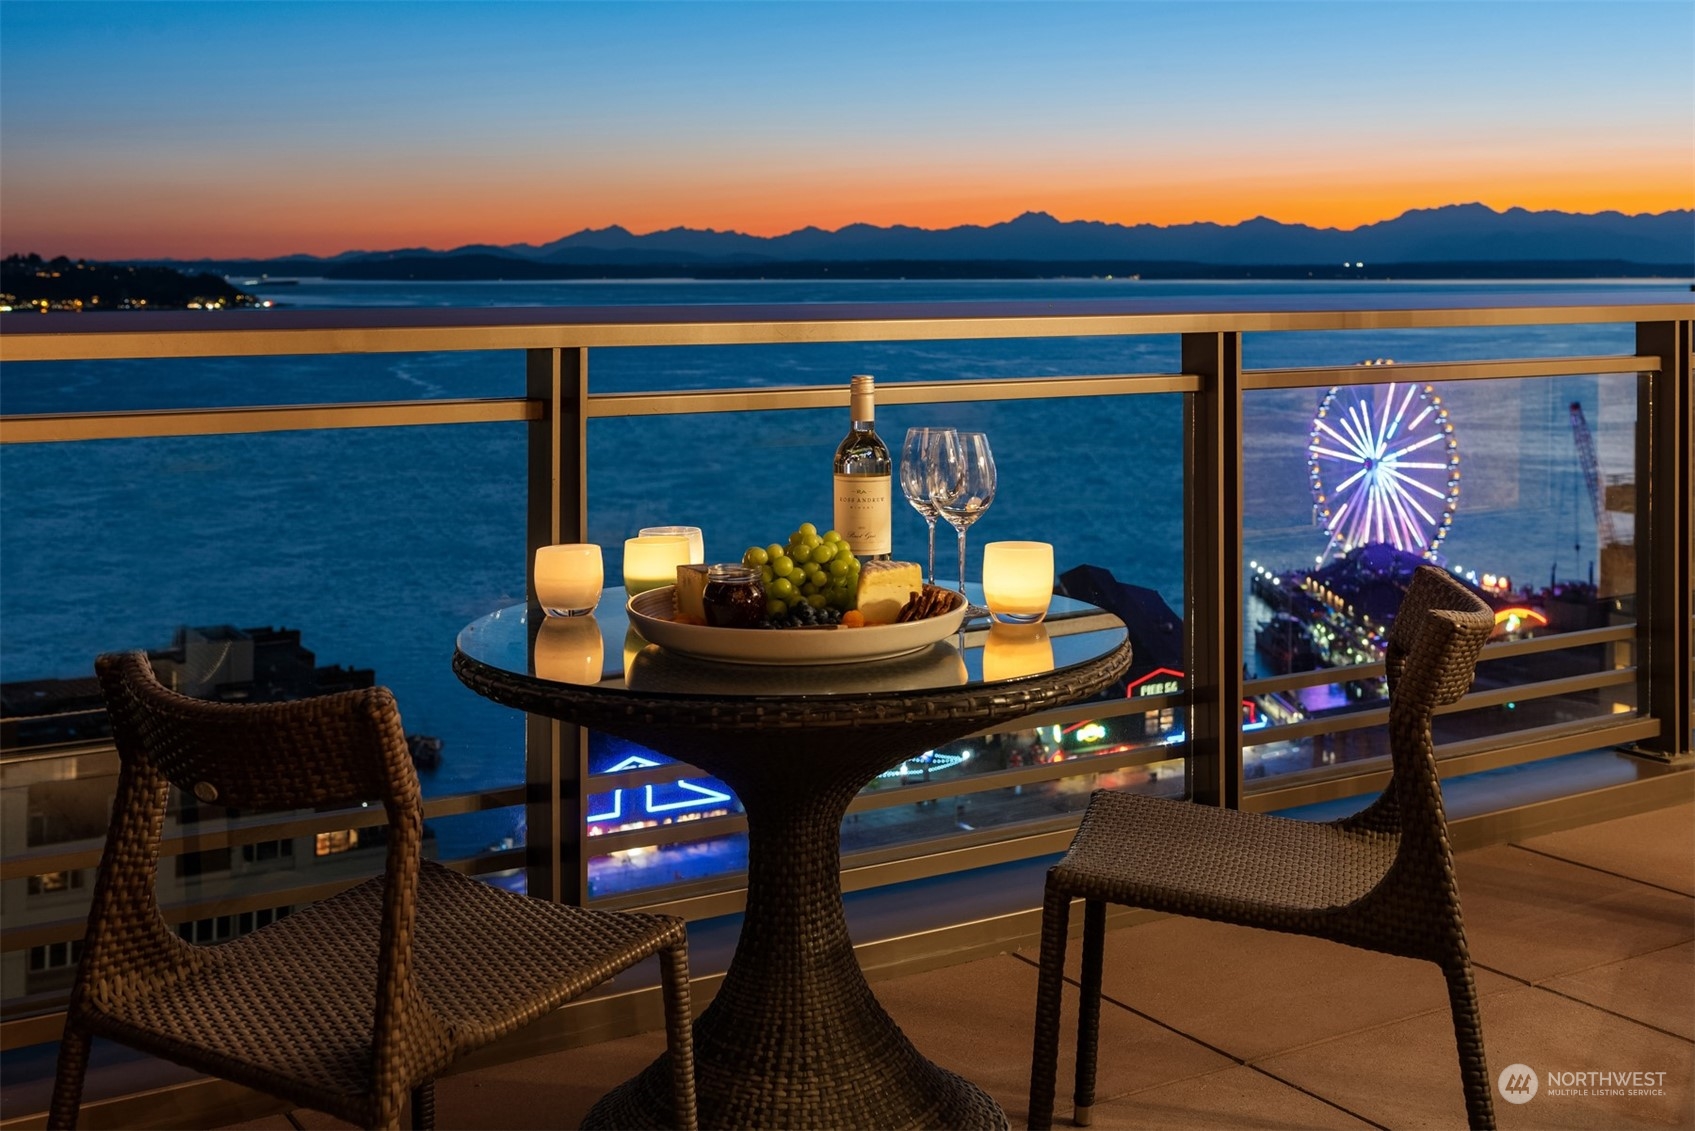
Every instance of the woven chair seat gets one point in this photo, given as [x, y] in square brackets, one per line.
[289, 1009]
[1190, 859]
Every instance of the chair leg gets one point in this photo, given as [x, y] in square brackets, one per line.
[679, 1035]
[1089, 1010]
[424, 1106]
[1468, 1037]
[1050, 982]
[68, 1078]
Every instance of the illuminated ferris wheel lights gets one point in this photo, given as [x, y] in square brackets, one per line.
[1378, 495]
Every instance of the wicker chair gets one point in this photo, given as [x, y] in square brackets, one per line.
[1382, 879]
[351, 1003]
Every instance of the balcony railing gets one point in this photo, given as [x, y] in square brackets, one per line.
[1632, 674]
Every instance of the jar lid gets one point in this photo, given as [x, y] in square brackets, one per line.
[732, 572]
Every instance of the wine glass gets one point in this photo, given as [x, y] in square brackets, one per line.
[916, 455]
[962, 485]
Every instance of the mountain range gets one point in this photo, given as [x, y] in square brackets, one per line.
[1459, 233]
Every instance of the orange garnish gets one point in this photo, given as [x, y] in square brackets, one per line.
[853, 618]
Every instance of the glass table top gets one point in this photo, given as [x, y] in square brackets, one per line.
[603, 653]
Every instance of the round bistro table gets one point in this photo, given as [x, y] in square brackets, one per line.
[794, 1037]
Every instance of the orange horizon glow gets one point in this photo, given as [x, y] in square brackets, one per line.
[261, 226]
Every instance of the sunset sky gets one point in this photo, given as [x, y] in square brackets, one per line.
[262, 129]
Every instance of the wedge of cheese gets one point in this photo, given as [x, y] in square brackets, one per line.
[691, 593]
[884, 587]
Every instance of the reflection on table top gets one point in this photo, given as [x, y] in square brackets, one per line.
[602, 653]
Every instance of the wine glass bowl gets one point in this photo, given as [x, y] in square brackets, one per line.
[917, 455]
[962, 485]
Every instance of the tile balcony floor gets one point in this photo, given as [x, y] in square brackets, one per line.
[1584, 943]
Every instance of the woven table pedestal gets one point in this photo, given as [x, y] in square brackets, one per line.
[794, 1037]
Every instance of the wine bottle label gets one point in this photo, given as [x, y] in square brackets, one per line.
[862, 513]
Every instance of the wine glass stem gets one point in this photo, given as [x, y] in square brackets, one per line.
[931, 519]
[962, 561]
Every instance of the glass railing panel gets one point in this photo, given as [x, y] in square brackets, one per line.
[124, 384]
[1525, 493]
[650, 369]
[1451, 343]
[720, 861]
[305, 560]
[1099, 477]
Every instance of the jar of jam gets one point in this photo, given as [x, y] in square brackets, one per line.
[734, 597]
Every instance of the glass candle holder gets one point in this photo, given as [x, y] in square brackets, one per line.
[1018, 580]
[568, 578]
[697, 544]
[569, 650]
[651, 560]
[1013, 650]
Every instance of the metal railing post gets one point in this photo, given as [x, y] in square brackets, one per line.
[1212, 566]
[555, 755]
[1665, 543]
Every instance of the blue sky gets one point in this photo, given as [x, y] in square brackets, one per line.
[265, 128]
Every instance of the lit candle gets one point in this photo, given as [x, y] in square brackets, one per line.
[1018, 580]
[1012, 650]
[569, 651]
[568, 578]
[697, 544]
[651, 560]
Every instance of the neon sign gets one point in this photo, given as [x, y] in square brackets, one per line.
[930, 759]
[1160, 681]
[1514, 618]
[687, 795]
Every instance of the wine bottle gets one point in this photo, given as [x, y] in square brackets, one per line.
[862, 478]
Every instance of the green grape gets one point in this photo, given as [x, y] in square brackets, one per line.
[817, 601]
[806, 528]
[809, 589]
[755, 556]
[766, 573]
[844, 553]
[775, 607]
[783, 565]
[838, 568]
[832, 536]
[783, 589]
[823, 552]
[774, 551]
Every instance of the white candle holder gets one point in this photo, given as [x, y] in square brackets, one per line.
[651, 560]
[569, 578]
[1018, 580]
[697, 544]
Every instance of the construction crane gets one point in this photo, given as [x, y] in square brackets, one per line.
[1592, 476]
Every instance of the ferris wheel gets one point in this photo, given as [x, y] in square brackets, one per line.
[1385, 468]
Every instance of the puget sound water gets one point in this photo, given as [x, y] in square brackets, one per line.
[380, 544]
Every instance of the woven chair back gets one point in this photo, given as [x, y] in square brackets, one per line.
[1435, 639]
[334, 750]
[1431, 657]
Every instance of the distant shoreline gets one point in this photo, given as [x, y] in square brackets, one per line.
[481, 268]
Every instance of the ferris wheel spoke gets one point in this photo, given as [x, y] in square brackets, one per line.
[1351, 457]
[1413, 447]
[1412, 501]
[1383, 428]
[1425, 487]
[1351, 480]
[1406, 523]
[1358, 424]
